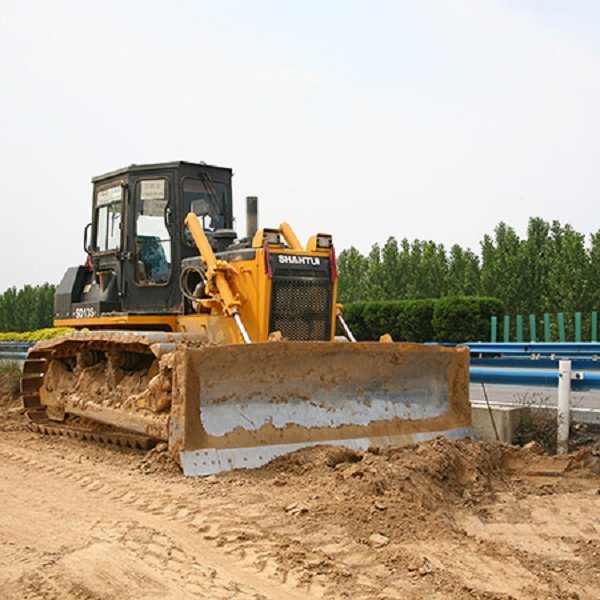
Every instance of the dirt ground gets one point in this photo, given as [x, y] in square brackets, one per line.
[438, 520]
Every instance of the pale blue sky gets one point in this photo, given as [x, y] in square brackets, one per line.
[421, 119]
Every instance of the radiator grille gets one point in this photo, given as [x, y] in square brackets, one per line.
[301, 308]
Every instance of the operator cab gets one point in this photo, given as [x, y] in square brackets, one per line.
[137, 239]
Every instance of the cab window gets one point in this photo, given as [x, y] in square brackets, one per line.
[109, 210]
[207, 199]
[153, 240]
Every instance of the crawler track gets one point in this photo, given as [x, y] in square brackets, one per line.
[34, 369]
[36, 365]
[117, 438]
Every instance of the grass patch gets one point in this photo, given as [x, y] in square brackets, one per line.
[10, 377]
[538, 424]
[10, 368]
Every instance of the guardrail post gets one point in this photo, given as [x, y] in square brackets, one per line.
[577, 326]
[532, 332]
[563, 413]
[494, 330]
[506, 328]
[547, 330]
[562, 336]
[594, 326]
[520, 329]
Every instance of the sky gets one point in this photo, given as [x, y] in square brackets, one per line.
[421, 119]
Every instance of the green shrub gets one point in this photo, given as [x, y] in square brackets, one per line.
[34, 336]
[464, 319]
[354, 317]
[445, 320]
[383, 317]
[403, 319]
[415, 321]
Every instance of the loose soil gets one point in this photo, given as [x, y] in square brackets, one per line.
[437, 520]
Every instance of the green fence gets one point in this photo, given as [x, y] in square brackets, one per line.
[561, 327]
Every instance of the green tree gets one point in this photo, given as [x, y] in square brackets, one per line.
[464, 273]
[568, 269]
[433, 271]
[352, 269]
[374, 283]
[26, 309]
[8, 303]
[535, 261]
[392, 278]
[593, 280]
[501, 271]
[550, 269]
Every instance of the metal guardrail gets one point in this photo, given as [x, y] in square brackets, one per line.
[566, 366]
[14, 351]
[589, 350]
[516, 362]
[535, 364]
[580, 381]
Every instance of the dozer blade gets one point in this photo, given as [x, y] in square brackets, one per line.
[241, 406]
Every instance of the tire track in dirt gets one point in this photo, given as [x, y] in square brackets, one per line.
[220, 523]
[462, 523]
[159, 516]
[353, 565]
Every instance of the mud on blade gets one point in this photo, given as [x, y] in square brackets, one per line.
[241, 406]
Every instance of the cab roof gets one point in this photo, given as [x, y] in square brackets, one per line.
[156, 167]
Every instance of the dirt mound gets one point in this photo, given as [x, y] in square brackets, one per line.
[399, 493]
[430, 473]
[409, 509]
[158, 460]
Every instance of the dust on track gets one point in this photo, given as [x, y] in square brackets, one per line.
[438, 520]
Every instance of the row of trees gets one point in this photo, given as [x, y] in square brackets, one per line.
[550, 269]
[26, 309]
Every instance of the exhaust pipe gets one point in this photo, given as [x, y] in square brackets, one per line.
[251, 216]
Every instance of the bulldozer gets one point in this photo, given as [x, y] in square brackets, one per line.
[220, 346]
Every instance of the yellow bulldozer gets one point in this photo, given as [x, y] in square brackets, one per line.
[223, 347]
